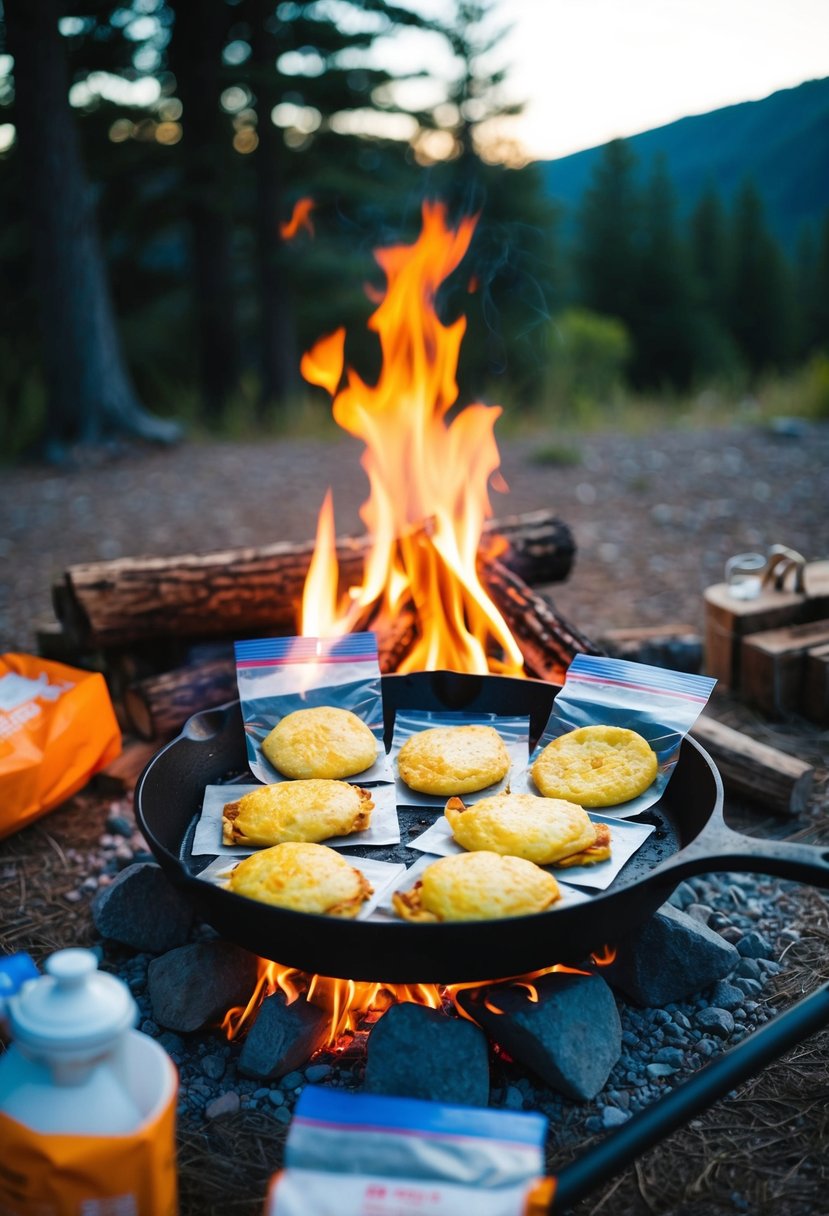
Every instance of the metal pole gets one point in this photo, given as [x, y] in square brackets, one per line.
[647, 1128]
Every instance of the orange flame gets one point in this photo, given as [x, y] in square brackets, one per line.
[300, 218]
[350, 1002]
[428, 477]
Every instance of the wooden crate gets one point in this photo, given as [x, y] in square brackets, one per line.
[816, 685]
[774, 666]
[728, 621]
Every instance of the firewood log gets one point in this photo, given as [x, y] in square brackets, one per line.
[250, 591]
[547, 641]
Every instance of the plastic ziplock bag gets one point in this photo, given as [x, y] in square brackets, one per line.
[658, 704]
[375, 1155]
[277, 676]
[57, 728]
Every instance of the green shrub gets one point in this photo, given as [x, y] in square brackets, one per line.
[587, 363]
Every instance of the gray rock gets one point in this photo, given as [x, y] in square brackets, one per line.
[726, 995]
[669, 958]
[317, 1072]
[417, 1052]
[196, 984]
[613, 1117]
[283, 1038]
[214, 1066]
[225, 1104]
[571, 1036]
[718, 1022]
[142, 909]
[670, 1055]
[754, 945]
[293, 1080]
[660, 1070]
[749, 969]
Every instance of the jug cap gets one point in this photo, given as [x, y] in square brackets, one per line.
[73, 1009]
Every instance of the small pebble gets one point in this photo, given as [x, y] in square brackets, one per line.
[226, 1104]
[718, 1022]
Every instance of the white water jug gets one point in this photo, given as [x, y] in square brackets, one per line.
[83, 1092]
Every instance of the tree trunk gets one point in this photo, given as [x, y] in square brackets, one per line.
[279, 359]
[196, 57]
[90, 394]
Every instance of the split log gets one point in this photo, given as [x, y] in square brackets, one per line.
[158, 706]
[249, 591]
[755, 770]
[547, 641]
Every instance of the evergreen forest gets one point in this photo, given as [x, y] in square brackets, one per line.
[192, 193]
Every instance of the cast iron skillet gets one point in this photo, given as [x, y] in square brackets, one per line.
[690, 838]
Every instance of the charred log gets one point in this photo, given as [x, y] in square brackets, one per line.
[547, 641]
[236, 592]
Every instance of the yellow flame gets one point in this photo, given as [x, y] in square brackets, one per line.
[428, 477]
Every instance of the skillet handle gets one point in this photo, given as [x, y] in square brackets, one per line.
[719, 847]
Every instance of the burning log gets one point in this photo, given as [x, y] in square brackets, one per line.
[255, 590]
[547, 641]
[157, 706]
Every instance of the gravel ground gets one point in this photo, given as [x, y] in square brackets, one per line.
[654, 517]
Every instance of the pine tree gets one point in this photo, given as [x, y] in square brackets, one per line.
[759, 304]
[607, 242]
[665, 328]
[90, 394]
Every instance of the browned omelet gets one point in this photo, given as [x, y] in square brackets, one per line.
[598, 851]
[477, 886]
[303, 877]
[542, 830]
[311, 810]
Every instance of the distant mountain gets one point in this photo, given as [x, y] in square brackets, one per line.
[781, 143]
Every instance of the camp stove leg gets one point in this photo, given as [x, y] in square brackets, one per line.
[622, 1147]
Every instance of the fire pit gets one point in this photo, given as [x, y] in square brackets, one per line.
[690, 838]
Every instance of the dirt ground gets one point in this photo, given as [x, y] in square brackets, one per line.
[654, 515]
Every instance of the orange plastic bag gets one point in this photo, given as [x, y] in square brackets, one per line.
[57, 728]
[52, 1175]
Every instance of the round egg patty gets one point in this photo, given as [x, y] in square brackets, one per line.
[302, 877]
[596, 766]
[542, 830]
[310, 810]
[477, 886]
[448, 760]
[323, 741]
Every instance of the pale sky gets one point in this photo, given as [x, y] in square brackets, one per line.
[592, 70]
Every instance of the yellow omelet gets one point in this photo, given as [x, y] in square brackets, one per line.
[448, 760]
[311, 810]
[596, 766]
[542, 830]
[302, 877]
[323, 741]
[477, 886]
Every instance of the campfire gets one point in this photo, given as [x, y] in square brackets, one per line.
[352, 1006]
[440, 581]
[429, 476]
